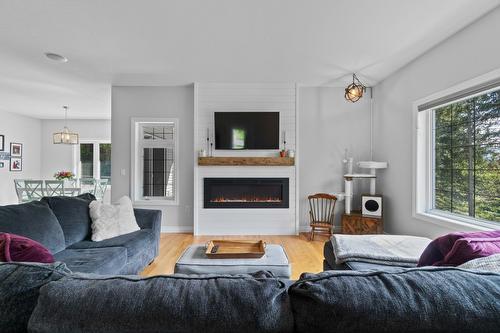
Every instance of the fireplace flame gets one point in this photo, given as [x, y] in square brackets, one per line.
[246, 199]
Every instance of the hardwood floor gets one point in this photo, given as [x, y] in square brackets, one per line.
[304, 255]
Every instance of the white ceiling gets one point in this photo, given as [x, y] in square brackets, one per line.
[159, 42]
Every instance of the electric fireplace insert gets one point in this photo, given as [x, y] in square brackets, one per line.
[245, 193]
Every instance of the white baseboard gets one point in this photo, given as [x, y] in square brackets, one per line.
[175, 229]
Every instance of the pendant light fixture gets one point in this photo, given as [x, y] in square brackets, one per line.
[65, 137]
[355, 90]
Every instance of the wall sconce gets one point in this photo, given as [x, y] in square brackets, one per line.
[355, 90]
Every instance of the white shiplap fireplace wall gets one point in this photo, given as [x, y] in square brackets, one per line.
[245, 97]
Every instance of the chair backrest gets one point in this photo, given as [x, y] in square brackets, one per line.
[34, 189]
[54, 188]
[100, 188]
[88, 185]
[321, 207]
[22, 196]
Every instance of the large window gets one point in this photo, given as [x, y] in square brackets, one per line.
[457, 155]
[466, 136]
[154, 176]
[94, 160]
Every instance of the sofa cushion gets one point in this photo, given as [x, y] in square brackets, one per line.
[73, 215]
[135, 242]
[177, 303]
[18, 248]
[411, 300]
[112, 220]
[19, 288]
[107, 260]
[34, 220]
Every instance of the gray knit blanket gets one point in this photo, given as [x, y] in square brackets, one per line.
[394, 250]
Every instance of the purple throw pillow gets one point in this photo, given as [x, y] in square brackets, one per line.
[22, 249]
[466, 249]
[437, 250]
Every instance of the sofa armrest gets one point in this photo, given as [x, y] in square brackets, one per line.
[150, 219]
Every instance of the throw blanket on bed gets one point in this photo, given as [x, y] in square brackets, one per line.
[380, 249]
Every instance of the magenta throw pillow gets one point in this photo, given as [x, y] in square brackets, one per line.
[467, 249]
[22, 249]
[437, 250]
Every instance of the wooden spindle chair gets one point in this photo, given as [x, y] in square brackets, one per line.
[321, 213]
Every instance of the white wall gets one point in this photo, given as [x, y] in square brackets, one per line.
[60, 157]
[470, 53]
[25, 130]
[165, 102]
[328, 124]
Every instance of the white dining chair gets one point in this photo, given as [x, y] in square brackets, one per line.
[34, 189]
[101, 186]
[54, 188]
[21, 193]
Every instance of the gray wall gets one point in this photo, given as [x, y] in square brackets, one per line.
[164, 102]
[25, 130]
[328, 124]
[470, 53]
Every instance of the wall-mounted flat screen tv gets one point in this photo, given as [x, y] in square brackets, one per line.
[247, 130]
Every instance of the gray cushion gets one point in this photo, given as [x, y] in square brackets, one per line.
[411, 300]
[135, 242]
[164, 304]
[19, 288]
[34, 220]
[194, 261]
[107, 260]
[73, 215]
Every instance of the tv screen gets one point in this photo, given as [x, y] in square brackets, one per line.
[247, 130]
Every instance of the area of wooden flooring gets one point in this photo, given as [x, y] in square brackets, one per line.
[304, 255]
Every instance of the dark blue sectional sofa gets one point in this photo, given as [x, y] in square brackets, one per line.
[49, 298]
[62, 224]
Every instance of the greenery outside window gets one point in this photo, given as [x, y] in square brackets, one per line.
[466, 137]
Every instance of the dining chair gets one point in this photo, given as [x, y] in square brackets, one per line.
[54, 188]
[34, 189]
[321, 213]
[22, 196]
[100, 188]
[88, 185]
[71, 187]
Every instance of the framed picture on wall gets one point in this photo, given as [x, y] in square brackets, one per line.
[1, 165]
[2, 143]
[16, 164]
[16, 149]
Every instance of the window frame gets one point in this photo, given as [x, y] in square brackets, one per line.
[135, 160]
[423, 160]
[96, 163]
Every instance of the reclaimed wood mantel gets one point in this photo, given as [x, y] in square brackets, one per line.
[246, 161]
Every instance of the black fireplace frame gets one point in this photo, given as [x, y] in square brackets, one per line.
[284, 182]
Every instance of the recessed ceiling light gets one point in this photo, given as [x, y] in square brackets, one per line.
[56, 57]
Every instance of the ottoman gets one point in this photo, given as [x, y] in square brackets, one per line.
[194, 261]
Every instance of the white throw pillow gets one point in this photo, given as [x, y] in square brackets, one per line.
[109, 221]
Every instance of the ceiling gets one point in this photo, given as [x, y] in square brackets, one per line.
[160, 42]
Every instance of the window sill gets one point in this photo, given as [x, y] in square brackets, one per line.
[155, 203]
[452, 222]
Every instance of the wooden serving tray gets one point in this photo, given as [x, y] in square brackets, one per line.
[226, 249]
